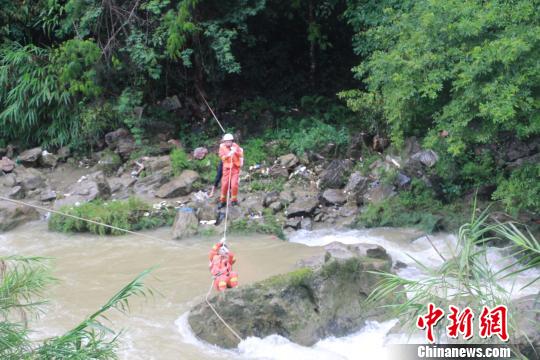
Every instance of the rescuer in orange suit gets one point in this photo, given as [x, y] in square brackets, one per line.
[232, 156]
[221, 262]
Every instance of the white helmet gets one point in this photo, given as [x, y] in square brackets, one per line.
[228, 137]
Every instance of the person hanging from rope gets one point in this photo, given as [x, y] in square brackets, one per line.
[232, 156]
[221, 262]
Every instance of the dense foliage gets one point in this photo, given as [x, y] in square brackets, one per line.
[462, 76]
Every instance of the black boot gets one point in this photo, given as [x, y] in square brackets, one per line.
[234, 203]
[221, 205]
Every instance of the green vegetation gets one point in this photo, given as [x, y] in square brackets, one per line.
[268, 225]
[521, 190]
[267, 185]
[416, 207]
[206, 168]
[132, 214]
[23, 283]
[179, 161]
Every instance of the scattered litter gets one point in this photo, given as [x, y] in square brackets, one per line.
[82, 178]
[207, 222]
[200, 196]
[146, 214]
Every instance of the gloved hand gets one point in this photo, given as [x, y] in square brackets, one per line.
[222, 241]
[232, 152]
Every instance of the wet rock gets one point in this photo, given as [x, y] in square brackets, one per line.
[357, 145]
[402, 181]
[306, 224]
[289, 161]
[527, 339]
[48, 160]
[87, 188]
[348, 211]
[427, 157]
[47, 195]
[306, 305]
[356, 187]
[318, 217]
[63, 153]
[276, 206]
[303, 206]
[270, 198]
[333, 197]
[178, 186]
[378, 193]
[17, 192]
[6, 165]
[293, 223]
[108, 162]
[200, 153]
[185, 223]
[276, 171]
[29, 179]
[205, 211]
[13, 215]
[171, 103]
[112, 138]
[286, 197]
[157, 163]
[30, 157]
[336, 174]
[149, 184]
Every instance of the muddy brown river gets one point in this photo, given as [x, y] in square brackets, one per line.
[90, 269]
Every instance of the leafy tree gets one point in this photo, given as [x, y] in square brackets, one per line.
[466, 68]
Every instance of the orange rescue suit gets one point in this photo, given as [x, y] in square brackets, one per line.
[231, 169]
[221, 268]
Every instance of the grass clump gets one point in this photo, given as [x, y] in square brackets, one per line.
[269, 225]
[132, 214]
[521, 190]
[416, 207]
[267, 185]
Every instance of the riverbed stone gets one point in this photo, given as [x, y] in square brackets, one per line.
[335, 175]
[16, 192]
[178, 186]
[286, 197]
[185, 223]
[13, 215]
[306, 224]
[156, 163]
[303, 206]
[30, 157]
[47, 195]
[63, 153]
[108, 162]
[333, 197]
[378, 193]
[270, 198]
[293, 223]
[29, 178]
[6, 164]
[149, 184]
[48, 160]
[288, 161]
[305, 306]
[276, 206]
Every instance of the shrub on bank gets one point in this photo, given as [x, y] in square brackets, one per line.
[270, 225]
[132, 214]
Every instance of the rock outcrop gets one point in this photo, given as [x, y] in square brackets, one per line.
[179, 186]
[13, 215]
[324, 297]
[185, 223]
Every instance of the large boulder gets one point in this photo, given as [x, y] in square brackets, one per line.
[356, 187]
[333, 197]
[29, 179]
[121, 142]
[378, 193]
[48, 160]
[178, 186]
[185, 223]
[13, 215]
[302, 206]
[288, 161]
[427, 157]
[87, 188]
[336, 174]
[30, 157]
[6, 165]
[323, 298]
[149, 184]
[156, 163]
[527, 315]
[63, 153]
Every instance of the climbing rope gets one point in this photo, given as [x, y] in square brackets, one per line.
[219, 316]
[78, 218]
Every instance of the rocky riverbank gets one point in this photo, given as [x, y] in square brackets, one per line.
[290, 193]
